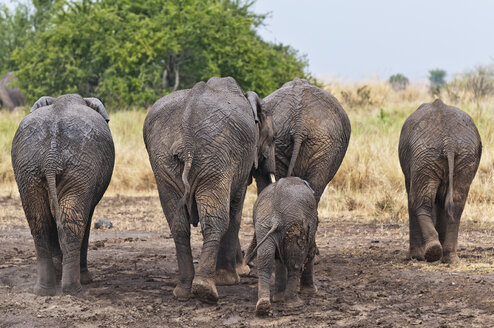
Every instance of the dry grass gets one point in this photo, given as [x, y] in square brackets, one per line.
[369, 184]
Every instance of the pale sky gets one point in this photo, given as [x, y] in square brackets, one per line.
[369, 39]
[359, 39]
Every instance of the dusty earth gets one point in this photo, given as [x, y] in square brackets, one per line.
[363, 278]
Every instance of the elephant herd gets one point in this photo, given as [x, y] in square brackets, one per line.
[205, 146]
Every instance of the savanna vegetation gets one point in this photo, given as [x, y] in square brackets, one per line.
[369, 184]
[130, 53]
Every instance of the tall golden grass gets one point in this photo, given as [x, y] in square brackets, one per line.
[369, 184]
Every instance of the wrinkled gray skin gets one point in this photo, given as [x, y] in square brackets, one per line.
[312, 132]
[63, 157]
[285, 221]
[10, 97]
[202, 145]
[439, 151]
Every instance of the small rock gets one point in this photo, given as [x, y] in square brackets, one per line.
[232, 320]
[102, 223]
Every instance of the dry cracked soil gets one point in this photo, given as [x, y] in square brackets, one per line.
[363, 278]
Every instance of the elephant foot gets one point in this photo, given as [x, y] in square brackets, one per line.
[243, 269]
[86, 278]
[279, 297]
[293, 302]
[73, 289]
[416, 253]
[224, 277]
[181, 292]
[263, 307]
[41, 290]
[450, 258]
[308, 289]
[433, 251]
[205, 290]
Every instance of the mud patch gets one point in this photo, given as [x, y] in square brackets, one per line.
[363, 279]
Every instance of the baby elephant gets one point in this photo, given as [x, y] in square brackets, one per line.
[439, 152]
[285, 220]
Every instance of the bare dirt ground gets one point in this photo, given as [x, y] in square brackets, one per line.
[363, 278]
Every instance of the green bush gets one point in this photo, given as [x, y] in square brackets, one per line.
[398, 82]
[129, 53]
[436, 79]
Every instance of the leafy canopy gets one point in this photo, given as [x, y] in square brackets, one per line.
[130, 53]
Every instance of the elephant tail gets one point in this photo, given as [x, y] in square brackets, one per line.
[253, 253]
[296, 149]
[449, 194]
[52, 194]
[185, 178]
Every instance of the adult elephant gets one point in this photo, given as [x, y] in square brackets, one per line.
[203, 144]
[63, 157]
[312, 132]
[439, 152]
[11, 97]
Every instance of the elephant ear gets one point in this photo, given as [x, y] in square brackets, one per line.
[255, 104]
[42, 102]
[256, 107]
[97, 105]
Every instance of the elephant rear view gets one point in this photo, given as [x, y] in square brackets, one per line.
[285, 221]
[312, 132]
[203, 144]
[63, 157]
[439, 152]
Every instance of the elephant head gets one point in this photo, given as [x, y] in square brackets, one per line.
[265, 148]
[93, 103]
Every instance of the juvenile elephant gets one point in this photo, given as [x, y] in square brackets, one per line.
[203, 144]
[312, 132]
[285, 221]
[10, 97]
[63, 157]
[439, 151]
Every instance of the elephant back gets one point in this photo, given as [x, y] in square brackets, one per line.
[64, 136]
[434, 130]
[218, 120]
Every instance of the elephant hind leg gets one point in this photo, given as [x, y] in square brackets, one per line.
[280, 281]
[37, 209]
[452, 226]
[229, 260]
[424, 239]
[214, 219]
[265, 259]
[180, 230]
[75, 209]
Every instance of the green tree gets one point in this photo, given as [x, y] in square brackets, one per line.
[130, 53]
[14, 28]
[436, 79]
[398, 82]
